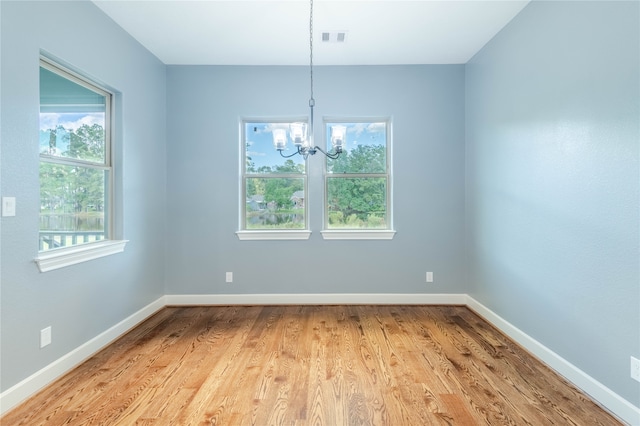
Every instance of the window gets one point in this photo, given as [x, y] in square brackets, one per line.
[75, 164]
[274, 182]
[273, 188]
[358, 183]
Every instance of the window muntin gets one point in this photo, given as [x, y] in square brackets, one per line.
[273, 187]
[357, 184]
[75, 160]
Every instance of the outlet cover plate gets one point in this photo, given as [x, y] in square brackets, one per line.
[45, 337]
[635, 369]
[8, 206]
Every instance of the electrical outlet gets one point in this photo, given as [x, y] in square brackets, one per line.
[8, 206]
[229, 277]
[45, 337]
[429, 278]
[635, 369]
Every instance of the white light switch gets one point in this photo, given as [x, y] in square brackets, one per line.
[8, 206]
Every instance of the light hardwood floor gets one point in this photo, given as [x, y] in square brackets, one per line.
[311, 365]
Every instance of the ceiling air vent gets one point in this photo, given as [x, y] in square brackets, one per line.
[334, 36]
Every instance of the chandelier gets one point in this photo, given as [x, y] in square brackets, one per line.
[302, 134]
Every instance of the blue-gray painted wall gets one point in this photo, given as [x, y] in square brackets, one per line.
[515, 180]
[205, 104]
[82, 301]
[552, 117]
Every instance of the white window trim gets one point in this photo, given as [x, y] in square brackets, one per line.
[273, 235]
[355, 234]
[59, 258]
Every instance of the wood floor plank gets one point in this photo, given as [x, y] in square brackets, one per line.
[311, 365]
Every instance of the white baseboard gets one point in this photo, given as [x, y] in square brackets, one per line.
[610, 400]
[316, 299]
[613, 402]
[38, 380]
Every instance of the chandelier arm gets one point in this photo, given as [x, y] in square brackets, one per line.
[332, 155]
[289, 156]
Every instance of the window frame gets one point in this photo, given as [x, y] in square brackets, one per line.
[360, 233]
[245, 233]
[56, 258]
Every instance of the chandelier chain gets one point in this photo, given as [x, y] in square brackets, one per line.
[306, 148]
[311, 100]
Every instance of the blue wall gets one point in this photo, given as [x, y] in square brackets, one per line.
[205, 104]
[552, 117]
[80, 301]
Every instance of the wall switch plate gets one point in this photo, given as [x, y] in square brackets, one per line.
[8, 206]
[229, 277]
[635, 369]
[45, 337]
[429, 278]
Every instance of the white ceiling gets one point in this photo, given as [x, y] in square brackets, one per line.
[276, 32]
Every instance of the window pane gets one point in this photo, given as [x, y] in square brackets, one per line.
[73, 203]
[261, 155]
[364, 148]
[72, 119]
[275, 203]
[356, 203]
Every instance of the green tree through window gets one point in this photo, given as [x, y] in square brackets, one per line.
[357, 183]
[75, 166]
[274, 186]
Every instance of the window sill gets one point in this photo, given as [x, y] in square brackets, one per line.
[353, 234]
[273, 235]
[60, 258]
